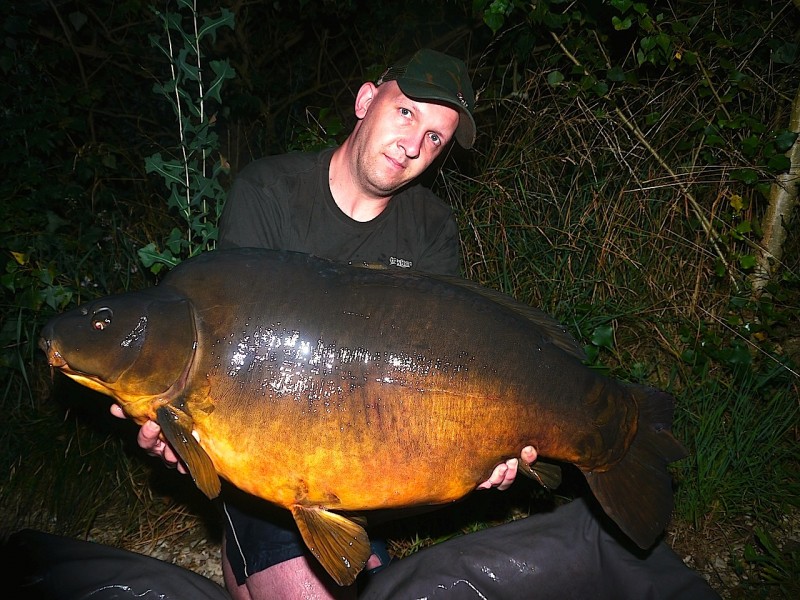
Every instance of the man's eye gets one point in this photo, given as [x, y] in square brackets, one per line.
[436, 139]
[405, 112]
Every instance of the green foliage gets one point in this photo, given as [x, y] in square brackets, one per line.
[193, 176]
[59, 238]
[566, 201]
[323, 131]
[725, 481]
[774, 564]
[610, 115]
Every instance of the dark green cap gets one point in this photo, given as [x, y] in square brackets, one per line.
[433, 76]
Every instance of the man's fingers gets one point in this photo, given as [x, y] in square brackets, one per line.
[509, 475]
[528, 454]
[497, 477]
[149, 437]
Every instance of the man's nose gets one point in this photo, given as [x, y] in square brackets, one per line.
[411, 145]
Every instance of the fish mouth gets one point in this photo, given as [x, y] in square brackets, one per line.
[54, 358]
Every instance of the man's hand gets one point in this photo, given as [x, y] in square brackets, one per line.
[505, 473]
[151, 440]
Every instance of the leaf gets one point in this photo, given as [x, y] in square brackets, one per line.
[172, 172]
[175, 242]
[615, 73]
[188, 68]
[210, 26]
[603, 336]
[622, 5]
[155, 260]
[78, 20]
[554, 78]
[621, 24]
[747, 261]
[785, 54]
[748, 176]
[223, 70]
[592, 352]
[737, 203]
[779, 162]
[750, 145]
[785, 140]
[493, 21]
[600, 88]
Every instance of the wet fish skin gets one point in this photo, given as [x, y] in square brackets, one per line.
[324, 387]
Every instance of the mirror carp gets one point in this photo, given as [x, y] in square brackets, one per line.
[333, 390]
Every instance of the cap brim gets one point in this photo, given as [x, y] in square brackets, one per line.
[418, 90]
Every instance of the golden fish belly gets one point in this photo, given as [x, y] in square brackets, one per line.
[361, 457]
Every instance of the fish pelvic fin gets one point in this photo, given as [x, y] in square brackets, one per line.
[339, 544]
[545, 474]
[177, 428]
[636, 492]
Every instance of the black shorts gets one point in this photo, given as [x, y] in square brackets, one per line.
[259, 535]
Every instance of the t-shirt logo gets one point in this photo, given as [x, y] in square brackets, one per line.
[400, 262]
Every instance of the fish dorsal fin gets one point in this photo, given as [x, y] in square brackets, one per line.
[339, 544]
[546, 474]
[557, 333]
[177, 428]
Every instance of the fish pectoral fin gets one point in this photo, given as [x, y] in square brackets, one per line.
[177, 428]
[339, 544]
[545, 474]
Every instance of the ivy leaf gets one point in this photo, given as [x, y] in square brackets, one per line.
[779, 162]
[622, 5]
[615, 74]
[78, 20]
[748, 176]
[785, 140]
[600, 88]
[603, 336]
[554, 78]
[747, 261]
[621, 24]
[785, 54]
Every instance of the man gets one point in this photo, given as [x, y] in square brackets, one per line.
[360, 203]
[357, 203]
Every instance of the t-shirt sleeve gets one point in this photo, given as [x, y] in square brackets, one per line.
[442, 255]
[251, 217]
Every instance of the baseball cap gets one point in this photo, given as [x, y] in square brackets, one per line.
[431, 75]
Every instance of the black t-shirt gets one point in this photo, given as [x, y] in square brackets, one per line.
[284, 202]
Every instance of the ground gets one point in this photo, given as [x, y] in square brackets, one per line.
[717, 553]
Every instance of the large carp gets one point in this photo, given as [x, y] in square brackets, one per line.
[333, 390]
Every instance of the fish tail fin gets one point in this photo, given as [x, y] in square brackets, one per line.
[636, 492]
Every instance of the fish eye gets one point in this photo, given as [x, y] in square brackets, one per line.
[101, 318]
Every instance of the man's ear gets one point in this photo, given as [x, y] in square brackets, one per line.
[365, 96]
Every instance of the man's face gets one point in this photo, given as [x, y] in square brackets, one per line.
[398, 138]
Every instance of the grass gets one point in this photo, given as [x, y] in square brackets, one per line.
[71, 469]
[740, 436]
